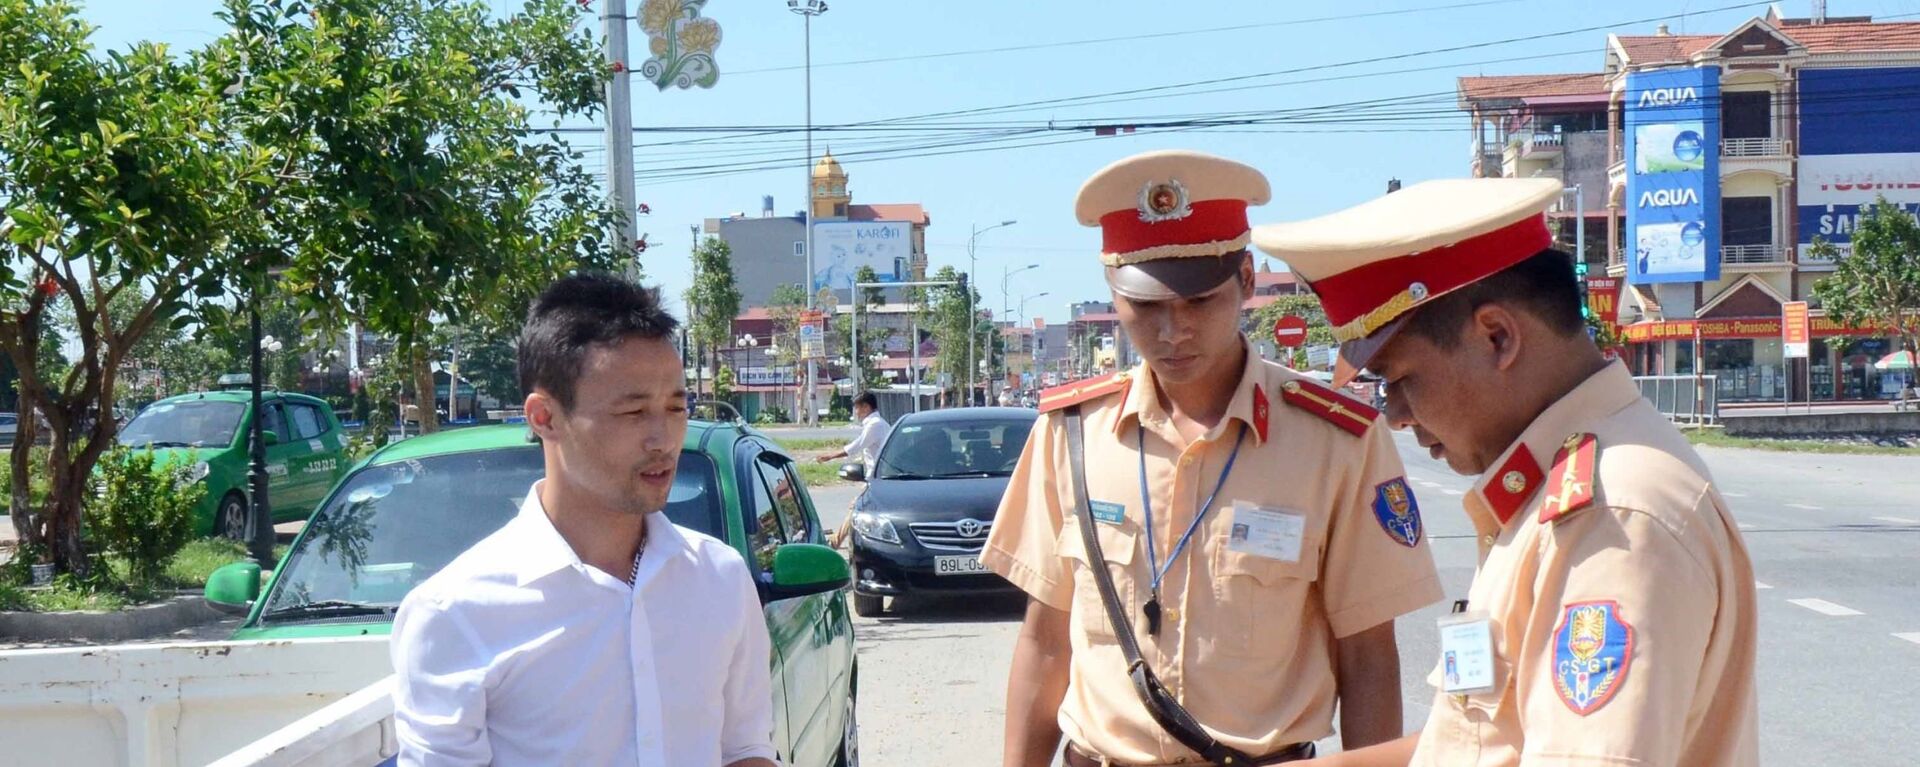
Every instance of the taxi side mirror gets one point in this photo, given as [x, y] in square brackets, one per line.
[805, 569]
[271, 437]
[232, 589]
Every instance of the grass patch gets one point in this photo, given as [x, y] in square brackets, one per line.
[1718, 438]
[820, 474]
[188, 570]
[796, 444]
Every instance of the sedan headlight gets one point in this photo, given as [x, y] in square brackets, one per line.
[876, 528]
[200, 471]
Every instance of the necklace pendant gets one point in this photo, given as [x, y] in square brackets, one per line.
[1152, 611]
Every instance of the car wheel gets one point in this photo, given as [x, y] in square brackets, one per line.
[231, 520]
[850, 735]
[867, 606]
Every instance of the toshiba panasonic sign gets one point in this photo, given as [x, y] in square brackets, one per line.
[1673, 175]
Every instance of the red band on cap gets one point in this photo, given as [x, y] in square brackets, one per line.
[1123, 232]
[1352, 293]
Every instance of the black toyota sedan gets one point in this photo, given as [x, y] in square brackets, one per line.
[924, 516]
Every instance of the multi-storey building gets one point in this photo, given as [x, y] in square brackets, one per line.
[1708, 165]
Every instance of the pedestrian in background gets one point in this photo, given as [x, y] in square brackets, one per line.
[1612, 614]
[865, 446]
[1215, 547]
[590, 629]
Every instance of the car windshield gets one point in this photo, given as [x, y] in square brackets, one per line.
[390, 527]
[192, 423]
[953, 449]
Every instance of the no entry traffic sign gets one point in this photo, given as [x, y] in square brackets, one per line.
[1290, 331]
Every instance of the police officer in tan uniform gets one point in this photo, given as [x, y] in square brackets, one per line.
[1612, 617]
[1256, 528]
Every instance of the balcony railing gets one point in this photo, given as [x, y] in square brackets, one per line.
[1755, 147]
[1752, 255]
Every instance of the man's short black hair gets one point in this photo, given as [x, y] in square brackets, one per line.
[1543, 285]
[576, 314]
[867, 398]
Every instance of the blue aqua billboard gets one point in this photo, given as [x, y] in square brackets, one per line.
[1858, 142]
[1673, 175]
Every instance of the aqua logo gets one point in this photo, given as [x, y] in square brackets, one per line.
[1669, 97]
[1667, 198]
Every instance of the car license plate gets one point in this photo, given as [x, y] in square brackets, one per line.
[960, 565]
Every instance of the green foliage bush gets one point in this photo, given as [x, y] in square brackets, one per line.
[142, 511]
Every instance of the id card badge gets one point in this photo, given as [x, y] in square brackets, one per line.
[1264, 532]
[1466, 653]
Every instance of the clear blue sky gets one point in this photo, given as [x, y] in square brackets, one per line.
[1313, 169]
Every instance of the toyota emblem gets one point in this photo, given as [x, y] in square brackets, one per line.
[969, 528]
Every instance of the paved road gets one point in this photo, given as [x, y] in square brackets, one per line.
[1833, 539]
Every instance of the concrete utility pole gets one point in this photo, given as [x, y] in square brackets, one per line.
[620, 131]
[807, 10]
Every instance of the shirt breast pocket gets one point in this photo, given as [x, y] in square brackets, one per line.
[1117, 544]
[1262, 600]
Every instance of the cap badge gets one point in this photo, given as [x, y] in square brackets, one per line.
[1164, 201]
[1418, 291]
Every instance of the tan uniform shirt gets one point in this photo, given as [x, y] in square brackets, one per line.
[1624, 630]
[1247, 640]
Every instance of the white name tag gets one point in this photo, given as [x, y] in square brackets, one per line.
[1269, 533]
[1466, 654]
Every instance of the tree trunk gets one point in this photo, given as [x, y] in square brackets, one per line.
[27, 520]
[425, 398]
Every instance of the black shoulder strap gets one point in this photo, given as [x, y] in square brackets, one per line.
[1159, 702]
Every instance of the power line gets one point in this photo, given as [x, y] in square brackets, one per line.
[1128, 38]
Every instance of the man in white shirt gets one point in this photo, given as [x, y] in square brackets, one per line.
[873, 431]
[590, 629]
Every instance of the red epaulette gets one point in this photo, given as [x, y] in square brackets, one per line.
[1084, 390]
[1338, 409]
[1570, 487]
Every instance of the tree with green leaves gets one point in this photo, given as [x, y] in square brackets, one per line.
[1877, 282]
[873, 340]
[784, 306]
[420, 191]
[114, 178]
[946, 313]
[713, 301]
[1303, 305]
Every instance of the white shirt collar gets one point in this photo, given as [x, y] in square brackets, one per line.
[544, 552]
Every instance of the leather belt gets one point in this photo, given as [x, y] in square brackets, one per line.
[1078, 757]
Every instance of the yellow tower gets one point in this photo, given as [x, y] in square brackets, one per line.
[830, 198]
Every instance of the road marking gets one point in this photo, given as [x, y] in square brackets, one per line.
[1899, 520]
[1825, 607]
[1913, 637]
[1803, 506]
[1426, 483]
[1451, 491]
[1745, 526]
[1732, 494]
[1760, 586]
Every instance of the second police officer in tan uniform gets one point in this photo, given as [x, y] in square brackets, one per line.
[1611, 619]
[1256, 526]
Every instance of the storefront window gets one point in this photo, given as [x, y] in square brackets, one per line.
[1738, 376]
[1820, 356]
[1858, 378]
[1683, 358]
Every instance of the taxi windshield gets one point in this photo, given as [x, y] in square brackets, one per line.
[192, 423]
[390, 527]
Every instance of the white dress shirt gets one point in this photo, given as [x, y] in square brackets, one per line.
[520, 654]
[873, 431]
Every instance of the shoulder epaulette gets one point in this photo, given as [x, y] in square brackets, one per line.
[1570, 485]
[1085, 390]
[1338, 409]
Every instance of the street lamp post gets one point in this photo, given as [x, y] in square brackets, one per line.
[807, 10]
[1023, 304]
[1006, 311]
[973, 308]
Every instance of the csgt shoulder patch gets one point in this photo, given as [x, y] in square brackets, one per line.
[1592, 650]
[1397, 511]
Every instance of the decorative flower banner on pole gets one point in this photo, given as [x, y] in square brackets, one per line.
[682, 44]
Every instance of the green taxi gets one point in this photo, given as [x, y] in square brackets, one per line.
[409, 509]
[306, 451]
